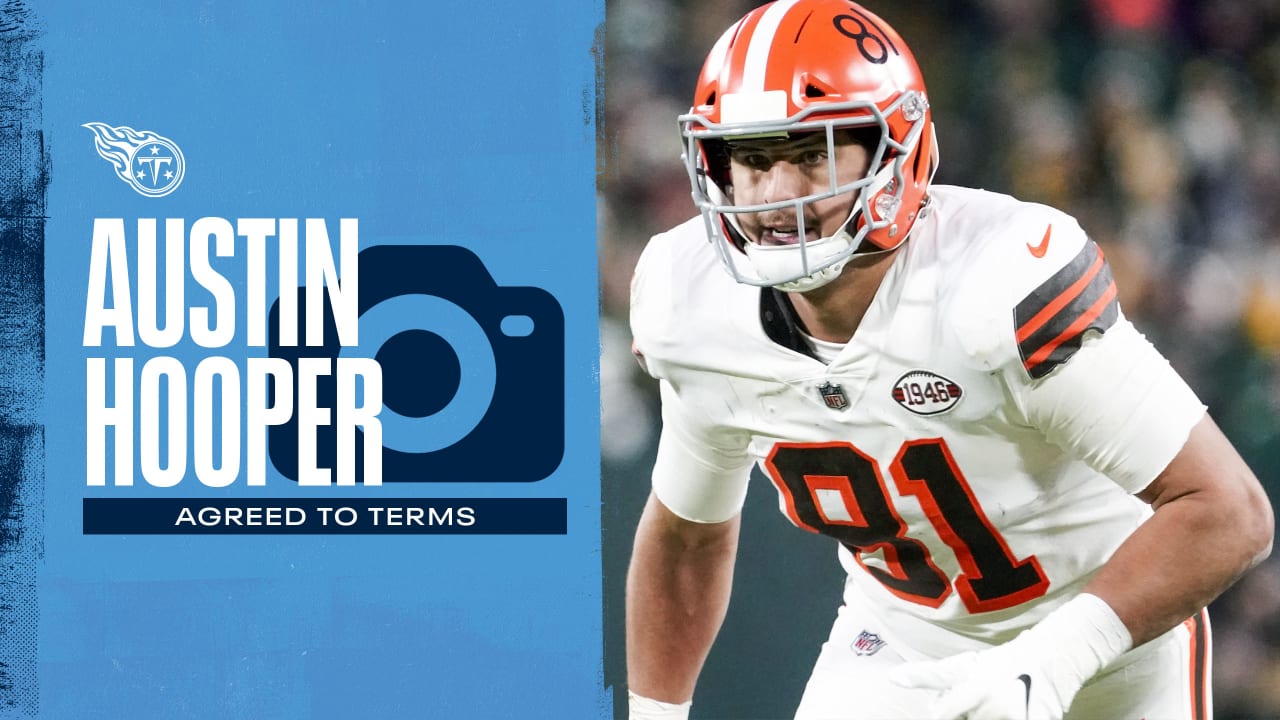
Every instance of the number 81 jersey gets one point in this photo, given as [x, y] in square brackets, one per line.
[975, 446]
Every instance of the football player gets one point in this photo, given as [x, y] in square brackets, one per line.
[1032, 507]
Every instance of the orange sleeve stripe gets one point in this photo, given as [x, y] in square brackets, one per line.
[1064, 298]
[1200, 689]
[1076, 327]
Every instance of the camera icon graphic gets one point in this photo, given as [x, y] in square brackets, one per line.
[472, 372]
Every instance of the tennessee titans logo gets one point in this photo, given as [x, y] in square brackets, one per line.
[152, 164]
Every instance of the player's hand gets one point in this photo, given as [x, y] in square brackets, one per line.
[1035, 676]
[997, 684]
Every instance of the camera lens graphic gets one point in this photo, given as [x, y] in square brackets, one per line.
[414, 397]
[433, 399]
[470, 369]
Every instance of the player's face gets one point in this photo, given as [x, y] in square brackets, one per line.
[769, 171]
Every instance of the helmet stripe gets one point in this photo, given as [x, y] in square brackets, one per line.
[761, 42]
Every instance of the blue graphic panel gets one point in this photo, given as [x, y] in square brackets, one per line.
[415, 185]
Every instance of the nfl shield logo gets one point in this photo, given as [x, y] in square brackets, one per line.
[833, 395]
[867, 643]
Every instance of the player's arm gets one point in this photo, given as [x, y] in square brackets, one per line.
[1212, 522]
[682, 563]
[681, 569]
[677, 594]
[1085, 378]
[1095, 387]
[1112, 400]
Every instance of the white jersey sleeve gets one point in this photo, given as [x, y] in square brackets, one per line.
[1118, 405]
[702, 467]
[699, 474]
[1073, 364]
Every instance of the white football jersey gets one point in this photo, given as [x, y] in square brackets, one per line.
[973, 448]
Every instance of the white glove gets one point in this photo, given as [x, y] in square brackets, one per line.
[1035, 676]
[643, 708]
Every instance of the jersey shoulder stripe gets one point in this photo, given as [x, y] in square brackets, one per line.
[1051, 321]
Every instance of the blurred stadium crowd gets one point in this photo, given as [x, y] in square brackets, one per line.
[1155, 122]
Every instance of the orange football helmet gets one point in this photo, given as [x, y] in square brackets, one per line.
[811, 66]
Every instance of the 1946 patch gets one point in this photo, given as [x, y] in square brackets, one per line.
[926, 393]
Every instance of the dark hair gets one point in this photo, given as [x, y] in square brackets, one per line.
[868, 136]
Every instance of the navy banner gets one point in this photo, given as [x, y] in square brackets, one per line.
[305, 516]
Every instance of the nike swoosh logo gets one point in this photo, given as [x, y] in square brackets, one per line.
[1025, 678]
[1043, 247]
